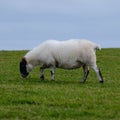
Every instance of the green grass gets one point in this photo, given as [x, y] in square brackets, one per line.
[66, 98]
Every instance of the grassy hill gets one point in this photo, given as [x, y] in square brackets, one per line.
[65, 98]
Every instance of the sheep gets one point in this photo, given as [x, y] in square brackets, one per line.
[69, 54]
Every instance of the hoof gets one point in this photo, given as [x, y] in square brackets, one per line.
[82, 81]
[52, 79]
[42, 77]
[102, 81]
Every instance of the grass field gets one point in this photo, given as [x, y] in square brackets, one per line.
[66, 98]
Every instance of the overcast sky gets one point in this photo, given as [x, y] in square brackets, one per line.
[26, 23]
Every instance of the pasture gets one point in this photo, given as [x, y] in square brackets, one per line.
[63, 99]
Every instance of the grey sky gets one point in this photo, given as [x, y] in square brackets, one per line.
[26, 23]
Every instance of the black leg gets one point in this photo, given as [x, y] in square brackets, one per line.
[98, 72]
[52, 72]
[85, 77]
[86, 72]
[102, 81]
[41, 73]
[42, 77]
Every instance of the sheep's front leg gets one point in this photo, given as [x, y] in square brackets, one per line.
[52, 72]
[86, 72]
[42, 73]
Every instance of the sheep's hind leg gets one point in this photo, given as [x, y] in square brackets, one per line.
[99, 74]
[42, 73]
[52, 72]
[86, 72]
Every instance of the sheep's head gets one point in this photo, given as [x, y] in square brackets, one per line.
[23, 68]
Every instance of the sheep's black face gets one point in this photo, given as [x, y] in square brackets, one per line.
[23, 69]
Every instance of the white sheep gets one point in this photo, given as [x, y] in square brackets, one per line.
[68, 54]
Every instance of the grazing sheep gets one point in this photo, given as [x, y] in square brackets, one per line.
[68, 54]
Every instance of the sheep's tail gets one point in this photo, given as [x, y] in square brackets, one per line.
[97, 47]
